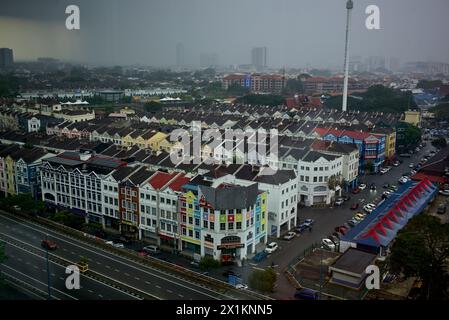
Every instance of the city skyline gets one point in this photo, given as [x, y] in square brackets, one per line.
[232, 33]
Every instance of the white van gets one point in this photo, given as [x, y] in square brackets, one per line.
[151, 249]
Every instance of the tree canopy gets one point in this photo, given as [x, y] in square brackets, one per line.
[441, 111]
[421, 249]
[261, 99]
[429, 84]
[376, 99]
[263, 280]
[439, 142]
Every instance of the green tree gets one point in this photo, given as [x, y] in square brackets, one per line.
[261, 99]
[429, 84]
[369, 167]
[441, 111]
[293, 86]
[263, 280]
[376, 99]
[208, 262]
[236, 90]
[412, 135]
[332, 182]
[421, 249]
[439, 142]
[152, 106]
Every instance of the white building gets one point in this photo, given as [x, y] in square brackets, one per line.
[282, 194]
[316, 172]
[74, 181]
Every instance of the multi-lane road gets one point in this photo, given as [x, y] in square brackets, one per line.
[118, 277]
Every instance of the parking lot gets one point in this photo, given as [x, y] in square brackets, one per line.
[325, 221]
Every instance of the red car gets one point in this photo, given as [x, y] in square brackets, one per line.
[356, 190]
[341, 229]
[355, 206]
[49, 245]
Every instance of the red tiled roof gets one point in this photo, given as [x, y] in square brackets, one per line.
[179, 182]
[161, 179]
[352, 134]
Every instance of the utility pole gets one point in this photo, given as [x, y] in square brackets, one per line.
[349, 6]
[48, 270]
[321, 272]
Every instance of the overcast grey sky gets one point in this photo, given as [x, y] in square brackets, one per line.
[296, 32]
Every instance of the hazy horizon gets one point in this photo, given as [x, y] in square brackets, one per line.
[296, 33]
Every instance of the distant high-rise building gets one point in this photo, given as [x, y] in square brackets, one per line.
[180, 55]
[375, 63]
[259, 57]
[356, 64]
[6, 58]
[395, 64]
[208, 60]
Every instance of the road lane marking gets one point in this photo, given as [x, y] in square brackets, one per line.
[137, 278]
[101, 283]
[45, 284]
[114, 257]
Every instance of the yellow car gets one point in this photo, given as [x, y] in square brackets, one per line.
[359, 216]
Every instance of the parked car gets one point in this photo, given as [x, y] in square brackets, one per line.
[411, 165]
[369, 207]
[355, 206]
[337, 234]
[49, 245]
[241, 286]
[118, 245]
[383, 170]
[396, 163]
[301, 228]
[328, 244]
[339, 201]
[306, 294]
[359, 216]
[334, 239]
[271, 247]
[386, 186]
[444, 192]
[362, 186]
[353, 222]
[151, 249]
[341, 229]
[289, 236]
[309, 222]
[356, 190]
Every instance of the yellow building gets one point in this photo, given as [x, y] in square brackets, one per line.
[10, 176]
[159, 142]
[390, 145]
[413, 117]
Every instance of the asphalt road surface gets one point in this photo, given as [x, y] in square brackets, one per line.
[326, 219]
[21, 235]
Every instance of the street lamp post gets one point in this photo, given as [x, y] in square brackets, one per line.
[321, 271]
[48, 270]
